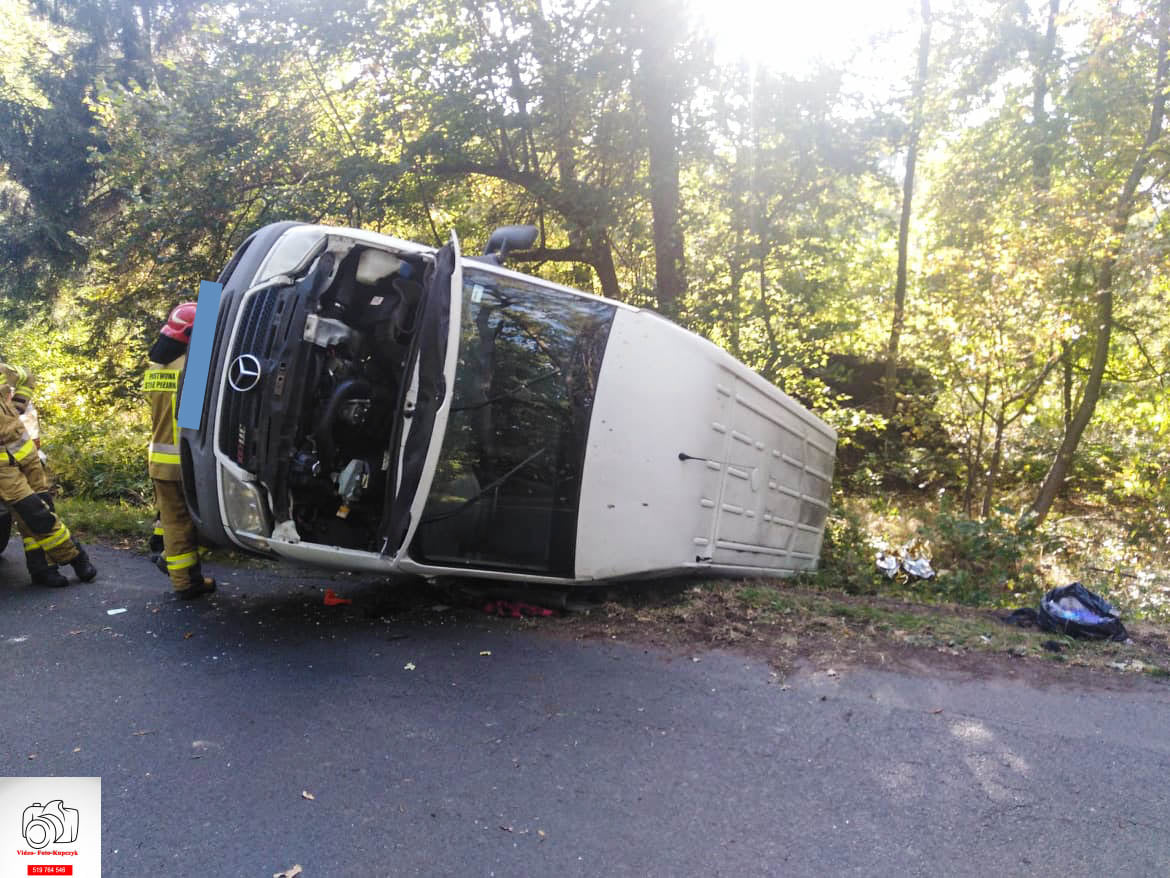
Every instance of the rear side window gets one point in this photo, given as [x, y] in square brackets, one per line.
[506, 491]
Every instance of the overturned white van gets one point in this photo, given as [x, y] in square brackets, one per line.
[377, 405]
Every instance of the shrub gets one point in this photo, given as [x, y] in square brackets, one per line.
[103, 459]
[847, 558]
[982, 560]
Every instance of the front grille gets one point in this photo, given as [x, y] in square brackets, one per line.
[241, 415]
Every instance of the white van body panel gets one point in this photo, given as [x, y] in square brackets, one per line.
[752, 491]
[693, 463]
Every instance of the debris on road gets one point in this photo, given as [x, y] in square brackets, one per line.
[485, 652]
[516, 609]
[305, 794]
[291, 872]
[409, 666]
[115, 612]
[333, 599]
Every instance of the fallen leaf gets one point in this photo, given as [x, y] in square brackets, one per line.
[291, 872]
[485, 652]
[540, 832]
[188, 635]
[409, 666]
[305, 794]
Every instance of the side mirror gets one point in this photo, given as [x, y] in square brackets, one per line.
[508, 238]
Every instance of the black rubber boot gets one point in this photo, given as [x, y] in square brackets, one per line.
[204, 585]
[49, 576]
[41, 571]
[82, 566]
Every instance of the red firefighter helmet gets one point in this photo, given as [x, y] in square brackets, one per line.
[180, 322]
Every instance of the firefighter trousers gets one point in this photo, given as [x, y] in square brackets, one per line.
[180, 546]
[38, 480]
[39, 525]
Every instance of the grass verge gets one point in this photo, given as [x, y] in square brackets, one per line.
[790, 624]
[106, 519]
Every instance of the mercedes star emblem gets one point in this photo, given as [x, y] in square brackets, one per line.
[244, 373]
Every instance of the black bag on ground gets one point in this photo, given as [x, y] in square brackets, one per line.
[1076, 611]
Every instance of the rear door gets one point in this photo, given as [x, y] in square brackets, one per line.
[427, 398]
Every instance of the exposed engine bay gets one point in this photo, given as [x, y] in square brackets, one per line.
[319, 431]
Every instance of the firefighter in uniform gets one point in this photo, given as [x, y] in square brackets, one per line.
[24, 488]
[168, 355]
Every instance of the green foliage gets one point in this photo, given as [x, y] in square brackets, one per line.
[103, 459]
[847, 556]
[977, 561]
[981, 561]
[45, 139]
[94, 423]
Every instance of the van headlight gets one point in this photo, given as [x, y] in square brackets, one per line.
[243, 506]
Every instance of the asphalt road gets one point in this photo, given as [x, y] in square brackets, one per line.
[549, 757]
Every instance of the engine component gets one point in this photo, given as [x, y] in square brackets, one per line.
[354, 479]
[304, 468]
[348, 389]
[326, 332]
[355, 411]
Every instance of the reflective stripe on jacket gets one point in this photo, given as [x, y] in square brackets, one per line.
[161, 386]
[16, 446]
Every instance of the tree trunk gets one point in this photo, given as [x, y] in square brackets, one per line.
[996, 460]
[1062, 464]
[602, 262]
[1042, 59]
[658, 77]
[975, 453]
[904, 223]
